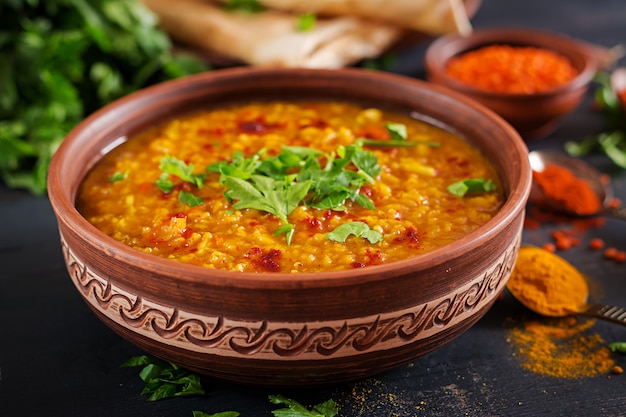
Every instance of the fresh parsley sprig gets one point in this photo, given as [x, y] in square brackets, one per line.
[170, 165]
[358, 229]
[471, 185]
[295, 409]
[62, 60]
[398, 137]
[165, 380]
[278, 184]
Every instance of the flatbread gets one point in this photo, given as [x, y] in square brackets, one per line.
[432, 17]
[270, 38]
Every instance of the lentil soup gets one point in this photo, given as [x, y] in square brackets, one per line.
[186, 214]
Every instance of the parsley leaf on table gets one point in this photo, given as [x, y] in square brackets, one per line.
[165, 380]
[295, 409]
[611, 142]
[221, 414]
[67, 58]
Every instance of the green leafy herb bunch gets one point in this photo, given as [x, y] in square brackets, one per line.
[63, 59]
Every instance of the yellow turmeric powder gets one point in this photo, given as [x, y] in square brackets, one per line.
[547, 283]
[561, 348]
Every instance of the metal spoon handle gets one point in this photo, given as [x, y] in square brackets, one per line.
[618, 213]
[610, 313]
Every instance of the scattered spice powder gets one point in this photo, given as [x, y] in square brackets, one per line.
[561, 187]
[547, 283]
[512, 69]
[571, 230]
[561, 348]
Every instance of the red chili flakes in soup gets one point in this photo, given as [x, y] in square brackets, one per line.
[512, 69]
[290, 187]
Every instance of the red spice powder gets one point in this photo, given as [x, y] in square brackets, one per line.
[510, 69]
[564, 189]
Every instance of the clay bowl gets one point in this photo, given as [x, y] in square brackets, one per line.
[533, 115]
[283, 329]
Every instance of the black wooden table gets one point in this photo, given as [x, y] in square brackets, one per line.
[57, 359]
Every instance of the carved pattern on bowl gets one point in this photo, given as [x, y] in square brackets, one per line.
[288, 340]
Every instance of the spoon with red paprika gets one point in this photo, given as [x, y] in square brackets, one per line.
[571, 186]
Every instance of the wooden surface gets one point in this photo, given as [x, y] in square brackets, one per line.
[57, 359]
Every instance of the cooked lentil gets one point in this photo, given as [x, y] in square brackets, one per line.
[413, 210]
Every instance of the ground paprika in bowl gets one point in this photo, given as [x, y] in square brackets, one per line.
[529, 77]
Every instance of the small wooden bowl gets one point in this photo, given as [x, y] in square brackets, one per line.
[533, 115]
[290, 329]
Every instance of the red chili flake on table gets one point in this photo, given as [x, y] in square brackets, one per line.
[610, 253]
[511, 69]
[596, 243]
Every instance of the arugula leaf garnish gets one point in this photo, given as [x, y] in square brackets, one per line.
[358, 229]
[164, 380]
[471, 185]
[295, 409]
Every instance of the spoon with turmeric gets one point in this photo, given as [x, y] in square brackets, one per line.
[549, 285]
[571, 186]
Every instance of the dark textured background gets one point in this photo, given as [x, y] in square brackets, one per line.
[57, 359]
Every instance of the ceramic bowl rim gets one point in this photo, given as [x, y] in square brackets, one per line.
[62, 199]
[454, 45]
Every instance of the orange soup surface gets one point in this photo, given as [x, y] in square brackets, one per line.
[511, 69]
[290, 187]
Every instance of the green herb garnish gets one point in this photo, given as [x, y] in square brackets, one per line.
[176, 167]
[618, 347]
[277, 197]
[221, 414]
[295, 409]
[306, 22]
[358, 229]
[185, 197]
[62, 60]
[397, 131]
[173, 166]
[118, 176]
[165, 380]
[278, 184]
[397, 138]
[471, 185]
